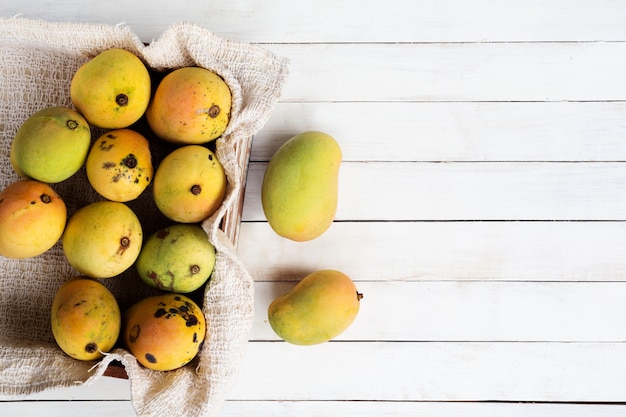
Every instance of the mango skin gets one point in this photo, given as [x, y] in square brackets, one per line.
[319, 308]
[178, 258]
[164, 332]
[119, 165]
[102, 239]
[112, 90]
[85, 318]
[51, 145]
[189, 184]
[32, 219]
[191, 105]
[299, 192]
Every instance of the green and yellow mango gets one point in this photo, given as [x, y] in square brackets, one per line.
[299, 193]
[319, 308]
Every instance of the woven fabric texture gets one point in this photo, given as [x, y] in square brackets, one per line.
[37, 62]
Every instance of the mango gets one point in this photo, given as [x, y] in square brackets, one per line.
[32, 219]
[15, 165]
[102, 239]
[191, 105]
[85, 318]
[189, 184]
[51, 145]
[178, 258]
[299, 193]
[119, 165]
[319, 308]
[164, 332]
[112, 90]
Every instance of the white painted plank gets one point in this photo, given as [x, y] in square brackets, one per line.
[395, 251]
[353, 20]
[415, 408]
[473, 311]
[468, 191]
[326, 408]
[335, 408]
[454, 72]
[417, 131]
[102, 389]
[414, 371]
[68, 408]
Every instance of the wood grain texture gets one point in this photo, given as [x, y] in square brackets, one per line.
[454, 72]
[433, 371]
[417, 408]
[455, 131]
[355, 21]
[335, 408]
[442, 251]
[233, 408]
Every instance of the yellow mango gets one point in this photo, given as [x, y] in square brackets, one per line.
[102, 239]
[85, 318]
[112, 90]
[164, 332]
[300, 186]
[189, 184]
[51, 145]
[119, 165]
[191, 105]
[32, 219]
[319, 308]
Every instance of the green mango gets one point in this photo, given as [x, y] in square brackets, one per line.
[178, 258]
[300, 186]
[319, 308]
[51, 145]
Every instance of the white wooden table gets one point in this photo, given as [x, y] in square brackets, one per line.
[482, 205]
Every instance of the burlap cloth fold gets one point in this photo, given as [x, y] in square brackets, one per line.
[37, 61]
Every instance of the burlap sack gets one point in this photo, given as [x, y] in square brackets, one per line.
[37, 61]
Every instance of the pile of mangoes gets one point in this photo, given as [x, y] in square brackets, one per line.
[188, 108]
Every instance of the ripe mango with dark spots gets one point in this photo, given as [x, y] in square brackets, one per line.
[164, 332]
[319, 308]
[119, 165]
[178, 258]
[299, 193]
[85, 318]
[32, 219]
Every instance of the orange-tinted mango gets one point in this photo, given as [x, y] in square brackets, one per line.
[164, 332]
[191, 105]
[32, 219]
[85, 318]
